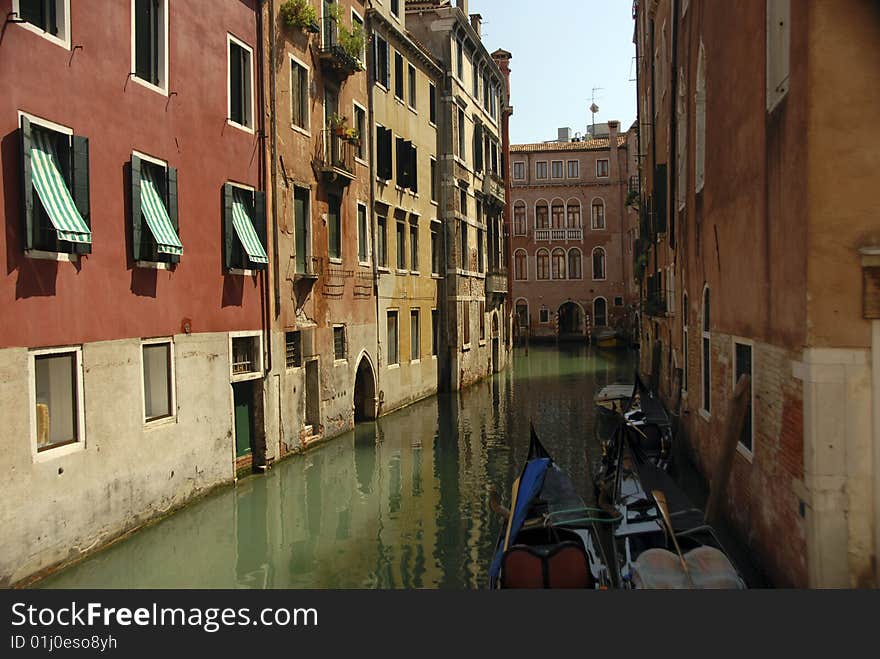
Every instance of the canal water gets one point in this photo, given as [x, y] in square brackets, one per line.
[399, 503]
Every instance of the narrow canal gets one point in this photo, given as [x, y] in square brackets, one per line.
[400, 503]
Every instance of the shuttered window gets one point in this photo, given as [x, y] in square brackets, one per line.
[240, 84]
[299, 95]
[149, 40]
[398, 76]
[384, 165]
[244, 228]
[155, 222]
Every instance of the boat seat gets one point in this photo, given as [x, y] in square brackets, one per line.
[562, 565]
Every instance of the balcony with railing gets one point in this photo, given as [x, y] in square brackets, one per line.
[334, 156]
[496, 282]
[569, 234]
[341, 48]
[493, 189]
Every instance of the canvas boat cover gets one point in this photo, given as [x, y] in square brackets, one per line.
[708, 567]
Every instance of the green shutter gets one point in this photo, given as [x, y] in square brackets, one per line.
[171, 205]
[260, 223]
[27, 186]
[81, 187]
[413, 169]
[137, 219]
[228, 229]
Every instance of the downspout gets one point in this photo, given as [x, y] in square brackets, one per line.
[261, 169]
[673, 130]
[371, 54]
[870, 257]
[273, 145]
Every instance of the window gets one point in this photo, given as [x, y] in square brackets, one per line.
[598, 264]
[462, 153]
[395, 7]
[478, 146]
[618, 301]
[339, 351]
[293, 349]
[55, 174]
[158, 380]
[414, 245]
[334, 226]
[360, 124]
[542, 264]
[778, 44]
[435, 332]
[707, 355]
[433, 180]
[573, 169]
[149, 42]
[542, 220]
[475, 81]
[541, 170]
[480, 266]
[465, 323]
[519, 219]
[244, 228]
[299, 95]
[459, 59]
[602, 168]
[519, 171]
[520, 265]
[384, 167]
[522, 314]
[742, 355]
[556, 169]
[432, 102]
[544, 315]
[382, 241]
[436, 252]
[49, 18]
[398, 76]
[681, 140]
[574, 214]
[393, 347]
[574, 263]
[684, 342]
[301, 238]
[465, 252]
[482, 319]
[700, 122]
[412, 86]
[247, 356]
[155, 223]
[414, 336]
[241, 84]
[557, 215]
[557, 260]
[383, 72]
[401, 245]
[600, 312]
[598, 214]
[363, 233]
[57, 398]
[463, 201]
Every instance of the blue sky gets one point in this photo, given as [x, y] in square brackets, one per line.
[562, 49]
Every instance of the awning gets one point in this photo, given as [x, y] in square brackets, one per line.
[157, 218]
[53, 192]
[246, 233]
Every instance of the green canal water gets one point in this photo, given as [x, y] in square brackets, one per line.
[399, 503]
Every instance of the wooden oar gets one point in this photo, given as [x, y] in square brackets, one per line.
[660, 498]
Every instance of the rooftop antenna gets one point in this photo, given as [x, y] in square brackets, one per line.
[594, 109]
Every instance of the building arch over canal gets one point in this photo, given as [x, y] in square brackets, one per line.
[571, 316]
[364, 389]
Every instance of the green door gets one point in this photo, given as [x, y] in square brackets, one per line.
[244, 417]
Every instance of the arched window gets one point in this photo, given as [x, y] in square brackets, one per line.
[542, 264]
[542, 219]
[574, 263]
[598, 214]
[522, 313]
[707, 354]
[681, 138]
[598, 264]
[600, 312]
[574, 214]
[557, 213]
[558, 262]
[520, 265]
[700, 121]
[519, 218]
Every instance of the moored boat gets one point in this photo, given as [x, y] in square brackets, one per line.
[609, 338]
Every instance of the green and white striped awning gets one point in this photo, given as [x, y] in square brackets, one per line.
[246, 233]
[157, 218]
[53, 192]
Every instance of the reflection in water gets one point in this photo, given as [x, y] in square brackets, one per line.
[398, 503]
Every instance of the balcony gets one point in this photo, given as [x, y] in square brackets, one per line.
[334, 157]
[304, 279]
[341, 49]
[496, 285]
[493, 190]
[573, 234]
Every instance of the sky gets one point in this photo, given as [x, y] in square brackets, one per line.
[562, 50]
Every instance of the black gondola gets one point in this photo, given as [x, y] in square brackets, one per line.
[550, 539]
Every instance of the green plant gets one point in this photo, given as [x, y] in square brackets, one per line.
[352, 134]
[632, 199]
[352, 41]
[337, 121]
[334, 11]
[298, 14]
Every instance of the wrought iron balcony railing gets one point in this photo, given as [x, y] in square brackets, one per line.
[334, 156]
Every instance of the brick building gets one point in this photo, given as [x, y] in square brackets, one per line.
[758, 134]
[570, 252]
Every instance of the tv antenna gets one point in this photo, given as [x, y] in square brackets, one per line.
[594, 109]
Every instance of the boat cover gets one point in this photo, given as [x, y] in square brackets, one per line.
[709, 568]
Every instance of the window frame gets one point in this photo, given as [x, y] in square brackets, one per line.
[520, 273]
[162, 87]
[553, 167]
[366, 261]
[538, 167]
[577, 169]
[747, 452]
[336, 358]
[519, 166]
[395, 313]
[593, 254]
[172, 383]
[62, 25]
[296, 335]
[705, 346]
[597, 202]
[249, 110]
[415, 342]
[307, 128]
[411, 86]
[580, 262]
[52, 452]
[166, 261]
[256, 373]
[606, 168]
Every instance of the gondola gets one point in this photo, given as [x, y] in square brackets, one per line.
[659, 538]
[549, 539]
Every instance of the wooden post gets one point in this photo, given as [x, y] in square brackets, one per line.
[736, 416]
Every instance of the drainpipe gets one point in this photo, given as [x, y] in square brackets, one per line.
[273, 145]
[368, 27]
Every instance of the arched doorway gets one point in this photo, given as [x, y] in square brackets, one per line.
[364, 392]
[571, 320]
[600, 312]
[496, 345]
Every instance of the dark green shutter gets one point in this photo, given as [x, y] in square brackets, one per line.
[27, 186]
[383, 153]
[137, 218]
[478, 147]
[171, 205]
[80, 187]
[228, 229]
[413, 168]
[260, 223]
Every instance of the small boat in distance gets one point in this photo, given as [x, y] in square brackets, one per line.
[606, 337]
[550, 538]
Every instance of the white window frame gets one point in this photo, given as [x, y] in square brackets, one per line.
[344, 358]
[593, 226]
[365, 142]
[608, 162]
[360, 19]
[537, 177]
[368, 250]
[736, 340]
[307, 129]
[65, 449]
[700, 122]
[155, 265]
[418, 313]
[519, 203]
[251, 189]
[255, 374]
[396, 364]
[525, 276]
[561, 164]
[604, 265]
[63, 24]
[607, 311]
[172, 380]
[521, 166]
[568, 263]
[162, 87]
[577, 169]
[412, 86]
[231, 39]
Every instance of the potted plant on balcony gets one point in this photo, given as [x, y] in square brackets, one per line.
[299, 14]
[337, 124]
[352, 42]
[352, 136]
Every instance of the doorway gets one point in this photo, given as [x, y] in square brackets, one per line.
[364, 392]
[571, 320]
[313, 395]
[243, 406]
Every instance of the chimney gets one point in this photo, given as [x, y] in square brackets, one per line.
[613, 129]
[476, 23]
[563, 134]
